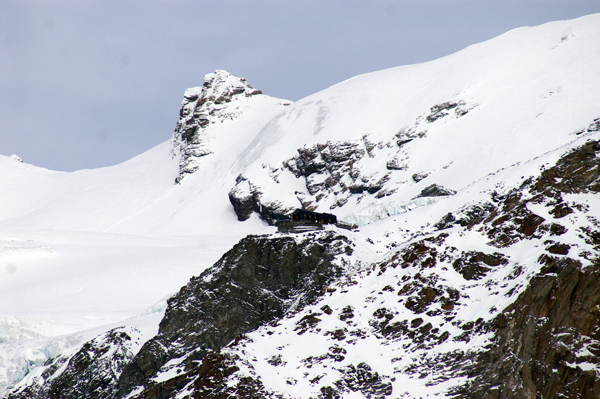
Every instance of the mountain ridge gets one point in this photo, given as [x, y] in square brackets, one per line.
[474, 182]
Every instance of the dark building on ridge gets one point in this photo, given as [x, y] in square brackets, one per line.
[307, 216]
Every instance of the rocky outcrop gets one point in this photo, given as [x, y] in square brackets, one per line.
[326, 165]
[438, 111]
[330, 173]
[246, 198]
[435, 190]
[202, 106]
[507, 219]
[548, 341]
[576, 172]
[257, 281]
[92, 372]
[331, 168]
[360, 378]
[474, 264]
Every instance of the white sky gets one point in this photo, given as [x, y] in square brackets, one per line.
[85, 84]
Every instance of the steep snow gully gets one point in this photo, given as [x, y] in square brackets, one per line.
[473, 269]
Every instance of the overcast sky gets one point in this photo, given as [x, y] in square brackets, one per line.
[85, 84]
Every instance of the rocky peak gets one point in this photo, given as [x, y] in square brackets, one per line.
[219, 99]
[221, 86]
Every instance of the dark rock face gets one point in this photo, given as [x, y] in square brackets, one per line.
[91, 373]
[474, 265]
[257, 281]
[202, 107]
[459, 108]
[435, 191]
[208, 380]
[577, 172]
[330, 168]
[242, 205]
[546, 340]
[336, 158]
[507, 220]
[360, 378]
[245, 198]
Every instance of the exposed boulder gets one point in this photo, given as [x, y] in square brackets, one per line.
[360, 378]
[435, 190]
[246, 198]
[474, 264]
[417, 177]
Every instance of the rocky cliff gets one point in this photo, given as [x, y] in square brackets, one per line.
[91, 372]
[547, 343]
[258, 281]
[216, 101]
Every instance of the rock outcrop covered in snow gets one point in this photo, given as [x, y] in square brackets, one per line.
[216, 101]
[328, 171]
[331, 174]
[548, 341]
[92, 372]
[258, 281]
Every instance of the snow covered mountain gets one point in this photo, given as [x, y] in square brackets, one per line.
[473, 270]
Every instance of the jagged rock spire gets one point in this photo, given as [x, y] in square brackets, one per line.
[201, 107]
[221, 86]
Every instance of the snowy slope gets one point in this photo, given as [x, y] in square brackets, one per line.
[414, 346]
[88, 249]
[512, 94]
[507, 100]
[68, 238]
[86, 200]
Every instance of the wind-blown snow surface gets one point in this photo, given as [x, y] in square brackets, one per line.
[514, 97]
[89, 249]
